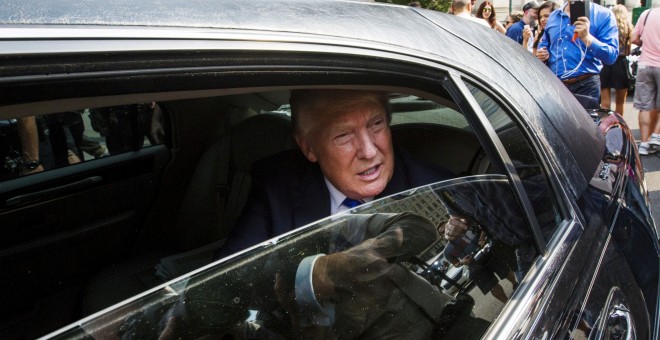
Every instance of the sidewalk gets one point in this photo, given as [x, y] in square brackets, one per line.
[651, 162]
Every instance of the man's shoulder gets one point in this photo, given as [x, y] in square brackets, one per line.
[601, 12]
[515, 30]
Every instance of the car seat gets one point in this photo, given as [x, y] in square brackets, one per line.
[210, 207]
[454, 149]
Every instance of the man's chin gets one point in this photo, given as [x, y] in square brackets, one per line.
[372, 189]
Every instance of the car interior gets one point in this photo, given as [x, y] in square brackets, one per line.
[179, 198]
[220, 182]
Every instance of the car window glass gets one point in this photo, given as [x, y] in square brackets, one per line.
[61, 139]
[390, 270]
[408, 109]
[525, 160]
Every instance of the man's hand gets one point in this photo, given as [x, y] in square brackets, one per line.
[542, 54]
[466, 260]
[582, 30]
[455, 227]
[527, 33]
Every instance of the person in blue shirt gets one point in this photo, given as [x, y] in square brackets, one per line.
[576, 52]
[529, 19]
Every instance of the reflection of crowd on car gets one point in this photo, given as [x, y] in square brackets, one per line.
[50, 141]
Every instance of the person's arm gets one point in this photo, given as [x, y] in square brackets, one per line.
[639, 28]
[29, 138]
[527, 34]
[157, 131]
[499, 27]
[604, 46]
[322, 280]
[456, 227]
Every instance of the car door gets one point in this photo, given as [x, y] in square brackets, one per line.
[595, 292]
[80, 210]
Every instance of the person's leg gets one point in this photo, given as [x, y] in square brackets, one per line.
[644, 98]
[605, 100]
[620, 100]
[646, 121]
[498, 293]
[655, 135]
[512, 278]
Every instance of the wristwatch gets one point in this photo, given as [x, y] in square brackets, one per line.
[32, 164]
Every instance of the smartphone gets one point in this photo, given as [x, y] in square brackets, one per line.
[578, 8]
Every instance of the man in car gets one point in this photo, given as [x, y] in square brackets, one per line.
[347, 158]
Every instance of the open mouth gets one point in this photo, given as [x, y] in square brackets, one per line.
[370, 173]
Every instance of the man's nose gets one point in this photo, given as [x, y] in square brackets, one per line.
[366, 147]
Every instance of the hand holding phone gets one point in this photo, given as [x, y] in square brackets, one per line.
[578, 8]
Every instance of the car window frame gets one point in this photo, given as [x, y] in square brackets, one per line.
[462, 93]
[530, 302]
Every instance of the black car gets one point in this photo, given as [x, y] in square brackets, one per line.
[131, 130]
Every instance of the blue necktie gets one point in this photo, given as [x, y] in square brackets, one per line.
[351, 203]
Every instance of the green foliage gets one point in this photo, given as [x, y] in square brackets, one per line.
[437, 5]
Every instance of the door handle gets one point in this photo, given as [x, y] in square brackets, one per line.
[53, 192]
[616, 321]
[620, 323]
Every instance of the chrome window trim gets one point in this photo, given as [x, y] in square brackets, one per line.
[526, 307]
[73, 39]
[519, 190]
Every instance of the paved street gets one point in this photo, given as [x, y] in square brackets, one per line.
[651, 163]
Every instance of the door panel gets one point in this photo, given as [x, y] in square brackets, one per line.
[62, 225]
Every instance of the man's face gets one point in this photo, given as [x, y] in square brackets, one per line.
[353, 149]
[532, 15]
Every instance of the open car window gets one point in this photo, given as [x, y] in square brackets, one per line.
[388, 265]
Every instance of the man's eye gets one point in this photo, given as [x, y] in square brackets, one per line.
[342, 138]
[378, 125]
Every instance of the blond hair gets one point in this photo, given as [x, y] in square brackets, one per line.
[306, 104]
[625, 28]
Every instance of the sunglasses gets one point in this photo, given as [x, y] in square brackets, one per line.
[487, 9]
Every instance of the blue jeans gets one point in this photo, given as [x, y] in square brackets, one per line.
[587, 92]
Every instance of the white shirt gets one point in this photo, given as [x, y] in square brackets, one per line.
[469, 16]
[314, 313]
[337, 198]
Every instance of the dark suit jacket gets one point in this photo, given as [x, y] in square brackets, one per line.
[289, 192]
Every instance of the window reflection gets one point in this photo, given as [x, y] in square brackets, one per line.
[126, 127]
[50, 141]
[386, 262]
[526, 163]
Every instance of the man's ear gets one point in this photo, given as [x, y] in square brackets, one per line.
[306, 148]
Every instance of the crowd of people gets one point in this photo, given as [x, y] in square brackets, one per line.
[589, 53]
[45, 142]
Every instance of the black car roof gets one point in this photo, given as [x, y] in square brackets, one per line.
[442, 37]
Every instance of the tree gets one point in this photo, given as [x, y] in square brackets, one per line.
[437, 5]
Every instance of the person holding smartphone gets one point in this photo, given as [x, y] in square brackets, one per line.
[578, 39]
